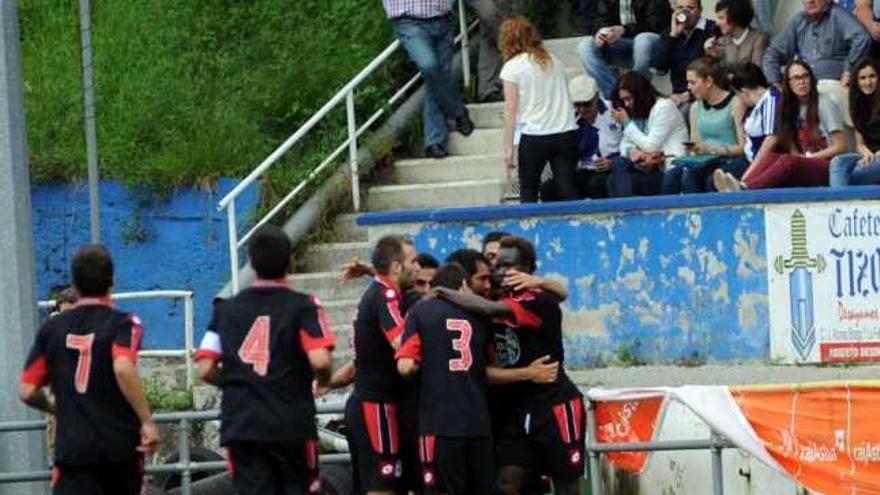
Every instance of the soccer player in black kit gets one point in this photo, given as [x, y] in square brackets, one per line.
[449, 347]
[372, 411]
[264, 348]
[88, 356]
[543, 429]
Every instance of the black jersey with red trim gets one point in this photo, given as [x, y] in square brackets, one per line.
[452, 347]
[74, 353]
[261, 337]
[534, 331]
[379, 323]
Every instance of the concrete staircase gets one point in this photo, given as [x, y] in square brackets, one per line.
[473, 175]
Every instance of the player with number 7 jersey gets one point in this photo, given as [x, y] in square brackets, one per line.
[88, 356]
[264, 348]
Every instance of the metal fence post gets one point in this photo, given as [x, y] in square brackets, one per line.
[465, 45]
[233, 244]
[717, 469]
[352, 151]
[188, 339]
[594, 466]
[183, 447]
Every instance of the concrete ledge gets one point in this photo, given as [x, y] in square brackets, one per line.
[481, 142]
[454, 168]
[463, 193]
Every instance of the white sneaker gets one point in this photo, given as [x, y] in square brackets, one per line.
[733, 183]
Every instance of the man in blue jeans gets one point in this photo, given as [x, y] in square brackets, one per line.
[425, 29]
[629, 32]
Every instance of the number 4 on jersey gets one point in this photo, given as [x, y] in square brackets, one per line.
[255, 348]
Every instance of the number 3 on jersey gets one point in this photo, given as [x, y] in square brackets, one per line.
[255, 348]
[462, 344]
[82, 344]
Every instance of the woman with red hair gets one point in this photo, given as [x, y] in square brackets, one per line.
[537, 102]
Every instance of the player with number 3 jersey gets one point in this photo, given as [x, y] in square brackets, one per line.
[264, 348]
[88, 357]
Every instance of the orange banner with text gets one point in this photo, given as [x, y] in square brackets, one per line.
[627, 422]
[825, 437]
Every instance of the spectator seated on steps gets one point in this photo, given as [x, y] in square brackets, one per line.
[654, 133]
[681, 44]
[598, 141]
[628, 32]
[863, 166]
[738, 43]
[829, 39]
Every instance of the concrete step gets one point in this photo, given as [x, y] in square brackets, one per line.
[327, 287]
[566, 49]
[572, 72]
[487, 115]
[454, 168]
[346, 230]
[331, 256]
[437, 195]
[481, 142]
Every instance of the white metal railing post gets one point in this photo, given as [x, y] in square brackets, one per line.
[465, 45]
[188, 339]
[233, 244]
[352, 151]
[594, 466]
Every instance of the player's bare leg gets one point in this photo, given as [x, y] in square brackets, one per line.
[510, 479]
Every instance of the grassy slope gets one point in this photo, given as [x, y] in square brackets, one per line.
[196, 89]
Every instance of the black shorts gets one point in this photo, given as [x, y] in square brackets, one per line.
[546, 439]
[374, 442]
[457, 466]
[282, 468]
[122, 478]
[408, 416]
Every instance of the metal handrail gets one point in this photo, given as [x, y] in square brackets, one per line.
[188, 325]
[354, 132]
[184, 466]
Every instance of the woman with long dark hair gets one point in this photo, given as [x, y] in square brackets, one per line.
[862, 167]
[654, 133]
[536, 98]
[810, 133]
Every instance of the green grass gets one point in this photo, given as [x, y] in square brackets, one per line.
[189, 91]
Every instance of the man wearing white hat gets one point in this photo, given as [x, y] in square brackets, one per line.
[598, 138]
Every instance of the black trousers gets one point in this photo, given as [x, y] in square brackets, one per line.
[561, 151]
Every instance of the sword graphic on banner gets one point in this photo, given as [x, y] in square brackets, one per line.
[800, 281]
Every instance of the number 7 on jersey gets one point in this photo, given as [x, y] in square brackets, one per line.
[255, 348]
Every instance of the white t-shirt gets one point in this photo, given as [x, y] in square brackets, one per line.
[545, 107]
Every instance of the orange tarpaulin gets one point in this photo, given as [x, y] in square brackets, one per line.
[625, 422]
[826, 438]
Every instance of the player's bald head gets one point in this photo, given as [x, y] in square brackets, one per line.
[517, 252]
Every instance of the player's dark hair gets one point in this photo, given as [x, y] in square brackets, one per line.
[494, 236]
[388, 250]
[469, 259]
[526, 251]
[450, 276]
[92, 269]
[739, 12]
[427, 261]
[269, 252]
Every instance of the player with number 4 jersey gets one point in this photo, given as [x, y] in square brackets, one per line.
[264, 348]
[88, 357]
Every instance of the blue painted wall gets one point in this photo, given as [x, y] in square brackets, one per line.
[178, 242]
[671, 280]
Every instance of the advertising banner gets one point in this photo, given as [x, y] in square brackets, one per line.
[824, 282]
[629, 421]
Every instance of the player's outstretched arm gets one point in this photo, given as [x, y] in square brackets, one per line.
[518, 281]
[541, 370]
[474, 303]
[36, 397]
[356, 268]
[131, 387]
[340, 378]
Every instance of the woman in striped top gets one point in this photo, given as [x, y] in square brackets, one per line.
[810, 132]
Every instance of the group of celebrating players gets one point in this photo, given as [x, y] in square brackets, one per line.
[458, 389]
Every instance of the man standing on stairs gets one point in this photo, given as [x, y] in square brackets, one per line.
[373, 409]
[491, 13]
[425, 29]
